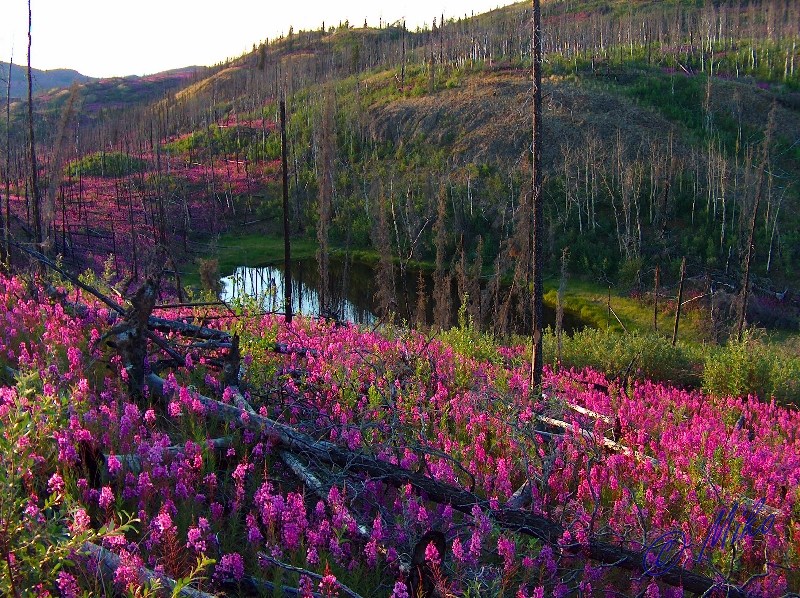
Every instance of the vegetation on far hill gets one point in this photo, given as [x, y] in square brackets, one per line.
[218, 446]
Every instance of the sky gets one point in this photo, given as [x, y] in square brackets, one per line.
[105, 38]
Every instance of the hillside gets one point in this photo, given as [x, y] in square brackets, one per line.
[655, 142]
[161, 438]
[42, 80]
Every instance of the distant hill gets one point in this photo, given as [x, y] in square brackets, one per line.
[42, 80]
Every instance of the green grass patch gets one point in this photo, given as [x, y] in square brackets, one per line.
[233, 250]
[589, 301]
[107, 164]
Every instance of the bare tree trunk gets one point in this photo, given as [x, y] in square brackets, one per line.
[750, 244]
[403, 59]
[325, 199]
[37, 218]
[441, 277]
[56, 166]
[680, 300]
[287, 248]
[538, 212]
[560, 306]
[7, 220]
[655, 299]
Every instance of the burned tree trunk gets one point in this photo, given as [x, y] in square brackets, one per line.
[287, 247]
[750, 241]
[34, 177]
[538, 201]
[130, 337]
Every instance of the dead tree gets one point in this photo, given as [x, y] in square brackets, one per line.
[538, 203]
[34, 177]
[6, 255]
[680, 302]
[325, 199]
[130, 337]
[750, 242]
[287, 245]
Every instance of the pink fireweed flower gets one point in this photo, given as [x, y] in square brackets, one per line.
[106, 497]
[174, 409]
[254, 535]
[329, 585]
[458, 550]
[55, 484]
[127, 574]
[400, 590]
[432, 554]
[113, 464]
[67, 585]
[80, 521]
[306, 587]
[506, 549]
[230, 566]
[196, 536]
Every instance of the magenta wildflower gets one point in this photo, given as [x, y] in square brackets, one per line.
[80, 521]
[400, 590]
[231, 566]
[55, 484]
[106, 497]
[306, 587]
[67, 585]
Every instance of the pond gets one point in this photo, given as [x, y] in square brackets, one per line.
[351, 292]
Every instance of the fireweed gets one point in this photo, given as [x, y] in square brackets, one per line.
[406, 399]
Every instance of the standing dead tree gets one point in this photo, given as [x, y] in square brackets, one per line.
[34, 174]
[538, 202]
[287, 244]
[750, 241]
[5, 257]
[325, 198]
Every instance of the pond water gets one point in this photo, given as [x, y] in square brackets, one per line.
[351, 292]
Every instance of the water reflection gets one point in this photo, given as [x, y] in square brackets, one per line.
[351, 292]
[266, 285]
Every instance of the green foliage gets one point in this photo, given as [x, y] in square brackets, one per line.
[468, 340]
[752, 367]
[39, 532]
[639, 354]
[195, 576]
[107, 164]
[254, 143]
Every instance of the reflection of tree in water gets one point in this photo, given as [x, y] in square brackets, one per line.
[351, 294]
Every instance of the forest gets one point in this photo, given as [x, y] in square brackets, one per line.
[160, 437]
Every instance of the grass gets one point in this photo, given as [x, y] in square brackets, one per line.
[233, 250]
[589, 301]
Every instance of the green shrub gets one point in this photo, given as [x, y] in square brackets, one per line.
[42, 526]
[467, 340]
[107, 164]
[639, 354]
[752, 367]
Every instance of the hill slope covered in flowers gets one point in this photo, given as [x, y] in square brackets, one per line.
[81, 459]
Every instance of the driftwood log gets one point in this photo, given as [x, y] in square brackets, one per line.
[107, 564]
[294, 441]
[515, 520]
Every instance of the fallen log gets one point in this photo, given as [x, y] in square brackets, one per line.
[107, 564]
[133, 463]
[516, 520]
[186, 329]
[338, 584]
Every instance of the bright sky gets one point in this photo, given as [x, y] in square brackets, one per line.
[104, 38]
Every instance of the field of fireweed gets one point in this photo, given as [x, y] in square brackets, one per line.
[341, 448]
[122, 204]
